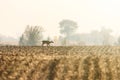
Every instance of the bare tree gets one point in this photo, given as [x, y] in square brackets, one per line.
[22, 40]
[31, 36]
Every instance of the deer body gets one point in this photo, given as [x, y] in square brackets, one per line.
[46, 42]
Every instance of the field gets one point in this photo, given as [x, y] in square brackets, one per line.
[60, 63]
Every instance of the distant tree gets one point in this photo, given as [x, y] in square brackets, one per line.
[106, 36]
[67, 28]
[31, 36]
[22, 40]
[102, 37]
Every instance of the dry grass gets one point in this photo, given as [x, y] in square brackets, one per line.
[60, 63]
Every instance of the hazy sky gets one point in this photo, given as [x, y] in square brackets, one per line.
[89, 14]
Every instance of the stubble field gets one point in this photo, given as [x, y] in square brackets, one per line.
[60, 63]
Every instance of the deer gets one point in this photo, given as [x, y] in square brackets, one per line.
[46, 42]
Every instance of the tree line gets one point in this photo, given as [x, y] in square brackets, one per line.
[33, 36]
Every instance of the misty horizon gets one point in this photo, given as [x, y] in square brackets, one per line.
[89, 15]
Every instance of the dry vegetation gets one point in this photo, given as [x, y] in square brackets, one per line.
[60, 63]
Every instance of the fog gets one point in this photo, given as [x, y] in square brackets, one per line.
[94, 19]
